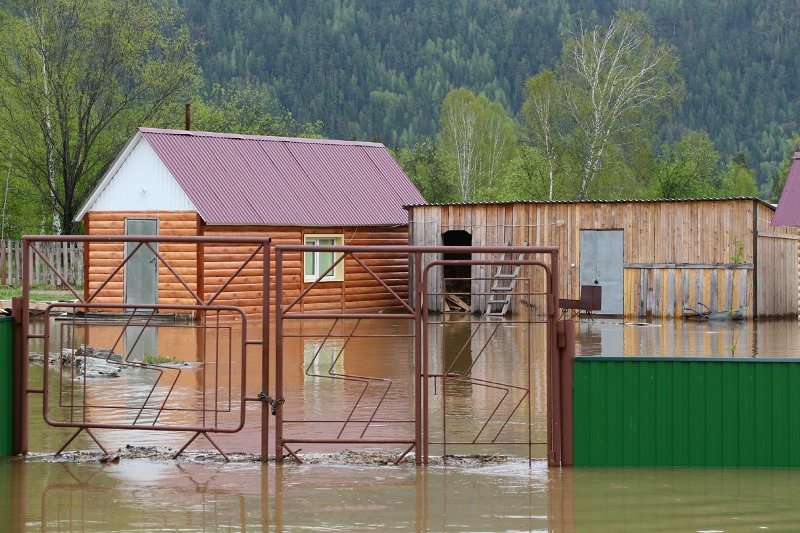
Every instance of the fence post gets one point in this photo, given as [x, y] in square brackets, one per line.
[566, 355]
[6, 386]
[3, 270]
[20, 368]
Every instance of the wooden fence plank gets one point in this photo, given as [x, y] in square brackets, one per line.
[65, 258]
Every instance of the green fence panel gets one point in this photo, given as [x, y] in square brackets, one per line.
[664, 411]
[6, 385]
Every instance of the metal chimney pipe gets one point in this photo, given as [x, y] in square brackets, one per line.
[188, 117]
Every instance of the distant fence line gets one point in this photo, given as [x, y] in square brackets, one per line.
[66, 258]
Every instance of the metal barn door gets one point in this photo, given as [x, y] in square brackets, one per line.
[141, 271]
[602, 264]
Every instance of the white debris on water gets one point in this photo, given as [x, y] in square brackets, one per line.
[346, 457]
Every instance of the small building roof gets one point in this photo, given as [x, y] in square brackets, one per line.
[258, 180]
[788, 211]
[578, 202]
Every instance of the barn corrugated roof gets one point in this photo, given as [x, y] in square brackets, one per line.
[788, 211]
[564, 202]
[245, 179]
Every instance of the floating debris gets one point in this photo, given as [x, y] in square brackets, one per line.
[346, 457]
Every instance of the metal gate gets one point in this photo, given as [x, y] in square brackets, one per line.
[104, 365]
[482, 378]
[441, 394]
[334, 386]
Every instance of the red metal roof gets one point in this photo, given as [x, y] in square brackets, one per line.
[245, 179]
[788, 211]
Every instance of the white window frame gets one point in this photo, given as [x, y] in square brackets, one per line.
[313, 239]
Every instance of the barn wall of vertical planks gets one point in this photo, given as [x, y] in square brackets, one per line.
[676, 253]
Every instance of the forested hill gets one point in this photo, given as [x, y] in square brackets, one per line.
[381, 69]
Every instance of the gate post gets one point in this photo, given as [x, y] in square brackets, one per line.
[566, 355]
[19, 443]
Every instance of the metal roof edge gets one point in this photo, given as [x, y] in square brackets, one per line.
[110, 173]
[239, 136]
[567, 202]
[332, 225]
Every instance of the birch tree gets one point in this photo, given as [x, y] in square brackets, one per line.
[479, 138]
[78, 77]
[618, 82]
[612, 85]
[460, 139]
[543, 114]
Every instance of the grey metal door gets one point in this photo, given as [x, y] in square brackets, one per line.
[141, 270]
[602, 264]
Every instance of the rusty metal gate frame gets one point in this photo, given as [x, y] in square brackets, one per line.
[204, 307]
[287, 312]
[550, 319]
[416, 311]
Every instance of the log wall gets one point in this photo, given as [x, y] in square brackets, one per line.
[358, 292]
[676, 253]
[101, 259]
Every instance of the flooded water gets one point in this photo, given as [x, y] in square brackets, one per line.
[205, 494]
[144, 495]
[689, 338]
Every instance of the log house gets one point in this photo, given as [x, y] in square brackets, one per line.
[294, 191]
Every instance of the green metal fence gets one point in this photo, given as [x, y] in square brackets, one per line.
[6, 385]
[662, 411]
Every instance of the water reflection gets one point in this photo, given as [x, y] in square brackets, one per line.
[689, 338]
[141, 495]
[472, 353]
[342, 379]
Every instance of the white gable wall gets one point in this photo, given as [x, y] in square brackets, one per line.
[139, 181]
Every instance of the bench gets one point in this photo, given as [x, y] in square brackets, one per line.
[591, 297]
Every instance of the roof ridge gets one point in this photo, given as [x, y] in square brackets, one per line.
[218, 135]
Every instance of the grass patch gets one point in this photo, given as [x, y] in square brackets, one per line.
[42, 293]
[159, 360]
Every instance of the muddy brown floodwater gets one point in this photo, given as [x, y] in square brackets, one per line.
[357, 491]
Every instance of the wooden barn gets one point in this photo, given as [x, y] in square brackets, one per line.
[294, 191]
[651, 258]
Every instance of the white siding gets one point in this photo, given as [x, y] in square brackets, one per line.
[139, 181]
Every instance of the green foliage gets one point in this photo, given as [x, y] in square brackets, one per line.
[248, 110]
[382, 69]
[687, 168]
[161, 360]
[529, 178]
[78, 77]
[425, 166]
[21, 211]
[544, 121]
[739, 180]
[738, 250]
[478, 141]
[601, 105]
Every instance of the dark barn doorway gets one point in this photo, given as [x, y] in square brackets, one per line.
[458, 278]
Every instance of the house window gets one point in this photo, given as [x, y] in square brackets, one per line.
[318, 263]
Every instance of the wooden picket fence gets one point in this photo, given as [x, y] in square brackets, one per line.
[66, 257]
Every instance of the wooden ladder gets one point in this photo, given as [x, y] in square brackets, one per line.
[503, 287]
